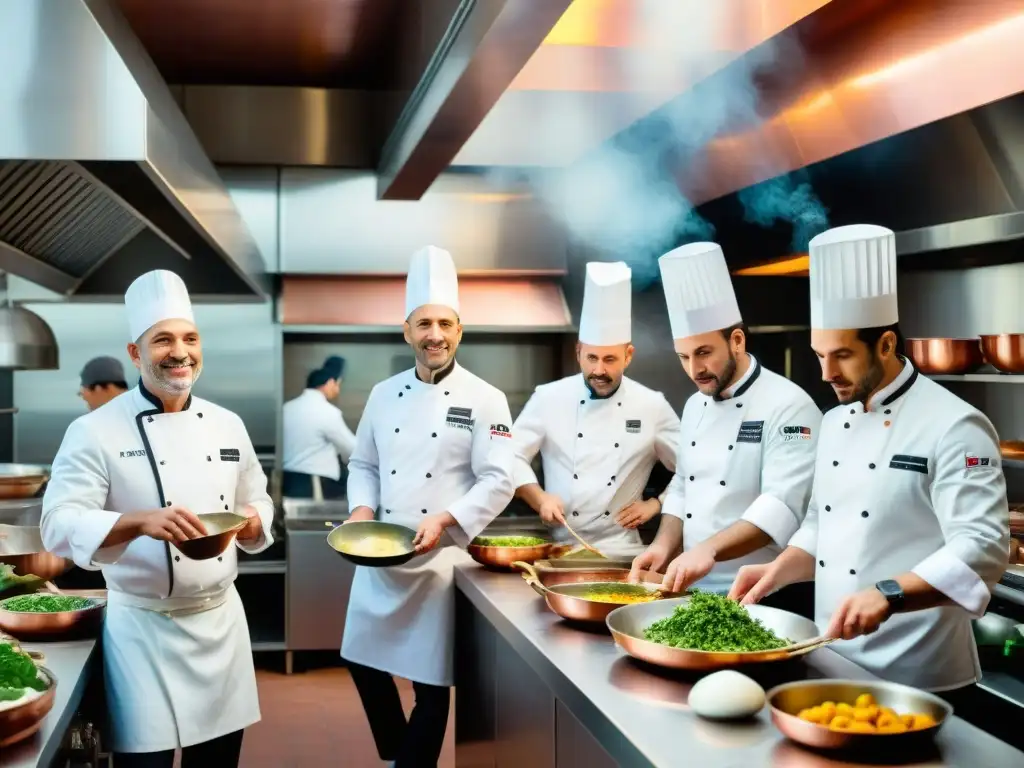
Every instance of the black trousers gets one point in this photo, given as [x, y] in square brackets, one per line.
[412, 743]
[299, 485]
[222, 752]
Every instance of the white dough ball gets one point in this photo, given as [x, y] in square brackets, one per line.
[726, 695]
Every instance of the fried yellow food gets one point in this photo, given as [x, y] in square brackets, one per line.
[864, 700]
[374, 546]
[622, 598]
[840, 723]
[865, 716]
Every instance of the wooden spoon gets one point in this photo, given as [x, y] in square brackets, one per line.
[582, 542]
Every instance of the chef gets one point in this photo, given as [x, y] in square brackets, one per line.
[599, 433]
[126, 486]
[746, 442]
[908, 527]
[433, 453]
[102, 379]
[314, 434]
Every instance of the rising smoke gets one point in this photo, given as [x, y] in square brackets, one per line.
[623, 200]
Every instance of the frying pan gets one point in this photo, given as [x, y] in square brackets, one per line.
[351, 532]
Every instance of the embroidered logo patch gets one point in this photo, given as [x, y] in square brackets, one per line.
[909, 463]
[230, 454]
[132, 454]
[500, 430]
[971, 461]
[795, 433]
[459, 418]
[750, 432]
[633, 426]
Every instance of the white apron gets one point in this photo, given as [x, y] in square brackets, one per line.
[176, 651]
[423, 449]
[885, 489]
[597, 454]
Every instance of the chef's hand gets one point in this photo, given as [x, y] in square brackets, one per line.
[552, 510]
[360, 514]
[859, 614]
[253, 526]
[692, 565]
[171, 524]
[652, 559]
[430, 530]
[639, 512]
[753, 583]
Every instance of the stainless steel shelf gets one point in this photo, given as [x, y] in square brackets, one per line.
[989, 378]
[261, 566]
[268, 646]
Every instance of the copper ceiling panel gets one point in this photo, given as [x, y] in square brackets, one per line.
[314, 43]
[379, 302]
[866, 78]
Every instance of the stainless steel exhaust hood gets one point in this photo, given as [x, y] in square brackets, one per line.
[101, 178]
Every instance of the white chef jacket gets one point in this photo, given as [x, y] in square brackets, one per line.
[176, 651]
[313, 434]
[746, 456]
[422, 449]
[597, 453]
[915, 483]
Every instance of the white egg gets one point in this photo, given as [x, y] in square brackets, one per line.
[726, 695]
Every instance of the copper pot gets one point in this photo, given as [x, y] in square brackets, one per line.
[21, 722]
[1005, 351]
[25, 625]
[46, 565]
[945, 356]
[21, 481]
[503, 558]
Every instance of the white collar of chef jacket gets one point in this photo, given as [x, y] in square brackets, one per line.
[736, 386]
[894, 389]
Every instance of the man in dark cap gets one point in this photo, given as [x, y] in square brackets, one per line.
[314, 435]
[102, 380]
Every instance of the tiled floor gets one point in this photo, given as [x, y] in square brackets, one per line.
[314, 718]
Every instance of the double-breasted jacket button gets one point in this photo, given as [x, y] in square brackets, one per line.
[222, 497]
[607, 512]
[220, 559]
[693, 443]
[423, 511]
[168, 503]
[226, 508]
[579, 434]
[853, 411]
[575, 476]
[162, 462]
[150, 419]
[853, 572]
[433, 434]
[200, 415]
[689, 515]
[821, 563]
[429, 475]
[408, 386]
[583, 402]
[177, 558]
[846, 425]
[835, 463]
[691, 478]
[871, 465]
[828, 507]
[396, 430]
[721, 482]
[616, 445]
[864, 513]
[393, 471]
[209, 458]
[387, 511]
[575, 513]
[730, 447]
[400, 394]
[446, 392]
[609, 484]
[613, 477]
[888, 411]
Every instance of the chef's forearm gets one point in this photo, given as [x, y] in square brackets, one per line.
[670, 534]
[739, 539]
[127, 528]
[919, 595]
[532, 494]
[793, 566]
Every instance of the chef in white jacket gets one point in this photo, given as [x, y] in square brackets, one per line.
[314, 435]
[128, 483]
[433, 453]
[746, 442]
[908, 526]
[599, 432]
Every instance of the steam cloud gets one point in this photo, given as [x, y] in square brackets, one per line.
[622, 200]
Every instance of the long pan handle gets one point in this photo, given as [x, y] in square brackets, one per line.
[531, 577]
[809, 645]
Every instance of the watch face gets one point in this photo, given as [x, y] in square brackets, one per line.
[889, 588]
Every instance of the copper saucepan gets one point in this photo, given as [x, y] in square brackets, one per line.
[19, 723]
[946, 356]
[1005, 351]
[550, 577]
[26, 625]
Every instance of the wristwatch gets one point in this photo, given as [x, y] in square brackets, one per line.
[893, 592]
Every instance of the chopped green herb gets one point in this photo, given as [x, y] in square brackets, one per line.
[43, 602]
[18, 671]
[9, 579]
[711, 622]
[508, 541]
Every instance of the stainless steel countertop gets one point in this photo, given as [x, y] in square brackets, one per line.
[69, 662]
[639, 714]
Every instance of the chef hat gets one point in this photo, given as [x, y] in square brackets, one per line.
[607, 305]
[154, 297]
[431, 280]
[698, 290]
[853, 278]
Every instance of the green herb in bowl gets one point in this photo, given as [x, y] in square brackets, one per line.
[44, 602]
[17, 673]
[713, 623]
[508, 541]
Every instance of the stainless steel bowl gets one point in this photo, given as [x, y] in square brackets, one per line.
[221, 529]
[349, 533]
[787, 700]
[627, 624]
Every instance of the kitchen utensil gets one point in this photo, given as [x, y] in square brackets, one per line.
[22, 548]
[946, 356]
[1012, 449]
[786, 700]
[18, 723]
[628, 622]
[221, 529]
[25, 625]
[570, 601]
[349, 533]
[22, 481]
[502, 558]
[584, 560]
[550, 577]
[1005, 351]
[584, 544]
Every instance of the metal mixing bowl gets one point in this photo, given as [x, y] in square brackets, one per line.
[352, 532]
[502, 558]
[946, 356]
[25, 624]
[221, 529]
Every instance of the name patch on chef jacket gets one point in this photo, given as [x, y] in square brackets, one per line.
[460, 418]
[971, 461]
[230, 454]
[910, 463]
[500, 430]
[750, 432]
[633, 426]
[132, 454]
[795, 433]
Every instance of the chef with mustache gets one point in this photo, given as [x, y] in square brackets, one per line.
[433, 453]
[908, 526]
[126, 487]
[599, 433]
[746, 440]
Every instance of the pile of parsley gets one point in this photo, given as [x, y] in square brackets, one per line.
[710, 622]
[17, 672]
[508, 541]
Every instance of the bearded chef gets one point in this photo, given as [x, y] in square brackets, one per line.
[599, 433]
[126, 487]
[908, 527]
[433, 453]
[746, 442]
